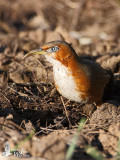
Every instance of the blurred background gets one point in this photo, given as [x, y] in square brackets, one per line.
[80, 22]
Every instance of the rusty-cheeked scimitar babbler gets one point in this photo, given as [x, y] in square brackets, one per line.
[79, 80]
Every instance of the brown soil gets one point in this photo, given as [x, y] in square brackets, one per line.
[28, 98]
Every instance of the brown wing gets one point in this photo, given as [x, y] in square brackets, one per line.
[96, 75]
[94, 80]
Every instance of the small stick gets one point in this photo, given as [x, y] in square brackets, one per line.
[4, 96]
[17, 126]
[65, 111]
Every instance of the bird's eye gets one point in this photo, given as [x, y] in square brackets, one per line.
[54, 49]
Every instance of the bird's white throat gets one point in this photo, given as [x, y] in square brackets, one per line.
[64, 80]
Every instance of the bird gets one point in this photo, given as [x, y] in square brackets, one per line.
[77, 79]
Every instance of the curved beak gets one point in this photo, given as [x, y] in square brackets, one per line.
[36, 51]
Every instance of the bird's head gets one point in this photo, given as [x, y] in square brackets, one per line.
[54, 51]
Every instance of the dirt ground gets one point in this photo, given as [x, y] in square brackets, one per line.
[28, 98]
